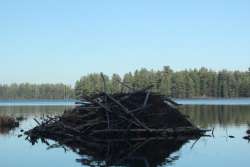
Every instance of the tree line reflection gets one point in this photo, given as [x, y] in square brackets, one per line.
[201, 115]
[207, 116]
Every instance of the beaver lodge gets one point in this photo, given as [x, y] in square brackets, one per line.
[99, 122]
[137, 113]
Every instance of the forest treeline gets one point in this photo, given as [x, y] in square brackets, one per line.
[36, 91]
[191, 83]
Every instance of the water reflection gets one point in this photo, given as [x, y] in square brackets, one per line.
[150, 152]
[204, 116]
[32, 111]
[209, 116]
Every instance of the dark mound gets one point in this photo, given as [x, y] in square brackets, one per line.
[140, 113]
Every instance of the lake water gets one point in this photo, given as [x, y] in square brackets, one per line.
[228, 117]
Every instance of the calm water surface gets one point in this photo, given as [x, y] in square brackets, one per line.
[218, 151]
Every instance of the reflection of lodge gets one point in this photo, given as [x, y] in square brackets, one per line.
[149, 152]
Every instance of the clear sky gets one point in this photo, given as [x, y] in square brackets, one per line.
[61, 40]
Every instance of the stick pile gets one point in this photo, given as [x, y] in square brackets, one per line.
[116, 129]
[138, 113]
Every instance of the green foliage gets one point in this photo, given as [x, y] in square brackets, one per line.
[34, 91]
[180, 84]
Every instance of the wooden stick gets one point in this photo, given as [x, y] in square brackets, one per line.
[171, 101]
[127, 112]
[146, 99]
[37, 121]
[168, 130]
[140, 109]
[104, 87]
[110, 111]
[125, 85]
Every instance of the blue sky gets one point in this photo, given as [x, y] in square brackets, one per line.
[61, 40]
